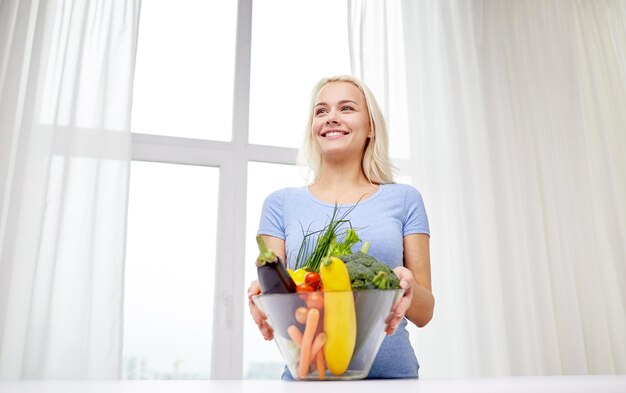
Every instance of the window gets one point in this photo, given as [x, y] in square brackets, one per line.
[185, 69]
[170, 271]
[182, 114]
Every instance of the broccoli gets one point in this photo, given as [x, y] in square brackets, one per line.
[366, 272]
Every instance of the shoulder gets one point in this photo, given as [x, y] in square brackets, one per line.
[285, 195]
[278, 201]
[407, 196]
[415, 218]
[402, 190]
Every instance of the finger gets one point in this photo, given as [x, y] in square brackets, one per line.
[397, 304]
[391, 329]
[259, 317]
[252, 305]
[397, 312]
[400, 307]
[251, 294]
[403, 306]
[392, 323]
[267, 332]
[254, 288]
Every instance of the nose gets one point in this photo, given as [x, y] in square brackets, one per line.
[331, 118]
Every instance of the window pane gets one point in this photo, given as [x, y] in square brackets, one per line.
[289, 55]
[261, 359]
[170, 265]
[185, 69]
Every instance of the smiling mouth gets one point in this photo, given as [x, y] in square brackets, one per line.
[331, 133]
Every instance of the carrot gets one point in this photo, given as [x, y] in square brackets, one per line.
[318, 343]
[295, 334]
[319, 361]
[312, 318]
[301, 314]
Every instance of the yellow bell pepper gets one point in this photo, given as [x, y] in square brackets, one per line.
[339, 315]
[297, 275]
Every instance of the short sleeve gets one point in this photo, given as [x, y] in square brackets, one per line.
[272, 218]
[415, 218]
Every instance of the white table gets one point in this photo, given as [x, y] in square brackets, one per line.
[582, 384]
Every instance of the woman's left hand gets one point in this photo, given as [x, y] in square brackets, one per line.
[401, 305]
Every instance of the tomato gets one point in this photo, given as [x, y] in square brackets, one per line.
[304, 287]
[315, 300]
[313, 279]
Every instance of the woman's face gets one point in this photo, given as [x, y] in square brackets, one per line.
[341, 123]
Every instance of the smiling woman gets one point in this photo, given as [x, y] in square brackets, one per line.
[346, 146]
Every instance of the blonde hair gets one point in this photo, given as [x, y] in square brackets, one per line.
[375, 163]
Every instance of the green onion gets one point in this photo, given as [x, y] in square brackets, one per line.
[325, 242]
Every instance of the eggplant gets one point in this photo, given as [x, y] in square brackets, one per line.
[274, 279]
[273, 276]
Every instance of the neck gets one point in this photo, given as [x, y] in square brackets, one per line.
[337, 176]
[342, 184]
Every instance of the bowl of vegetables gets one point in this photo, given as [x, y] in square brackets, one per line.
[329, 321]
[320, 338]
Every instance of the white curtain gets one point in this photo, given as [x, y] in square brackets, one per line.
[517, 119]
[66, 70]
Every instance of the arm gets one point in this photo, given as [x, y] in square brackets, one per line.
[417, 260]
[278, 245]
[418, 301]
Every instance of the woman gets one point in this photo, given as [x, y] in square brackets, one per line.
[346, 148]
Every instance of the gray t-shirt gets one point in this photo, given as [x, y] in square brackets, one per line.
[383, 219]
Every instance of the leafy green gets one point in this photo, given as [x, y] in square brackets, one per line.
[345, 247]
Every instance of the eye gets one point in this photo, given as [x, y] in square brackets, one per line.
[347, 108]
[319, 111]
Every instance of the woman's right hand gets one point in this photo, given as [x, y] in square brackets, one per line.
[259, 317]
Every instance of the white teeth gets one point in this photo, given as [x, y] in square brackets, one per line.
[333, 133]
